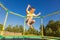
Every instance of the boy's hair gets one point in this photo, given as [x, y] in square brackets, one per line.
[32, 8]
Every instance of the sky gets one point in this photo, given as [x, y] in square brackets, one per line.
[19, 6]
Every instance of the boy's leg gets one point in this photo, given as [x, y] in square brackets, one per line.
[28, 22]
[32, 22]
[31, 26]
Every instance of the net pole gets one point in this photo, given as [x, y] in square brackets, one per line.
[3, 7]
[16, 14]
[54, 13]
[24, 26]
[42, 26]
[4, 23]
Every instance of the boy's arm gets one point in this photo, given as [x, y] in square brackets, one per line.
[27, 9]
[38, 14]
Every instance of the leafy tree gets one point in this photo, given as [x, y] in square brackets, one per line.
[51, 22]
[53, 28]
[1, 26]
[32, 31]
[15, 28]
[58, 31]
[8, 28]
[21, 29]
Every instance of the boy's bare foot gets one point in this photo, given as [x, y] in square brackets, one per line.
[31, 27]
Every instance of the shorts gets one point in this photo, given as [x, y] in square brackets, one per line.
[27, 20]
[30, 22]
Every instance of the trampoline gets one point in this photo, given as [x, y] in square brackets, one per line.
[26, 37]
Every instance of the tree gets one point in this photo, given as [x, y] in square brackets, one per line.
[58, 31]
[1, 26]
[8, 28]
[53, 27]
[32, 31]
[15, 28]
[48, 31]
[21, 29]
[51, 22]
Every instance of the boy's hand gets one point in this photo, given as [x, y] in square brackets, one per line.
[39, 13]
[29, 5]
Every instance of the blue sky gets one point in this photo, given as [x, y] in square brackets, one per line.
[19, 6]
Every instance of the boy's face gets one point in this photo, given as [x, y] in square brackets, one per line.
[32, 10]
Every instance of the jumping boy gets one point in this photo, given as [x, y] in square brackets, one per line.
[30, 15]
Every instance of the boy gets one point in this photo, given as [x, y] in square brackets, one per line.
[30, 15]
